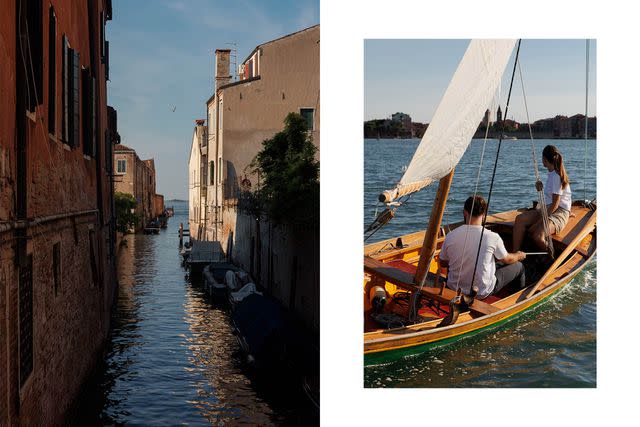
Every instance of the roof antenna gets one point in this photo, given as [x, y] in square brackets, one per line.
[234, 59]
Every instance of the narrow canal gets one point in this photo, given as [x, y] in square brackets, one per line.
[172, 358]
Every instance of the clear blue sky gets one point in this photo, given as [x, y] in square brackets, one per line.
[411, 76]
[161, 56]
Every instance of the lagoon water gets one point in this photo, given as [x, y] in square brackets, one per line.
[553, 345]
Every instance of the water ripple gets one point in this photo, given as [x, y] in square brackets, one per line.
[553, 345]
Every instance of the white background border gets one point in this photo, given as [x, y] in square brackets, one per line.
[344, 26]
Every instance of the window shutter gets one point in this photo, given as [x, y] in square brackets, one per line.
[65, 89]
[88, 113]
[106, 60]
[103, 48]
[52, 72]
[74, 98]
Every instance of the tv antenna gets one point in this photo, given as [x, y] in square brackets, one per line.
[234, 59]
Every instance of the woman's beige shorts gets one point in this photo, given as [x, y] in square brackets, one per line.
[559, 218]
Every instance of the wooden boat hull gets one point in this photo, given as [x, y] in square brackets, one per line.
[385, 345]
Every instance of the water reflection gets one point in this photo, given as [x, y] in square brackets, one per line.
[172, 358]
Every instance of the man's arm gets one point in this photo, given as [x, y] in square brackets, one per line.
[513, 257]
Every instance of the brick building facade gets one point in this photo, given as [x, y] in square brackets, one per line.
[57, 229]
[138, 178]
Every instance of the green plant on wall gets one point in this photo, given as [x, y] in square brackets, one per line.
[289, 191]
[126, 219]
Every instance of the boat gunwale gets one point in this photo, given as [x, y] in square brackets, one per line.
[511, 310]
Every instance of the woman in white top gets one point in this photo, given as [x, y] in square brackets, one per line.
[557, 195]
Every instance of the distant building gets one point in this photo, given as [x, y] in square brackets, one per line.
[511, 124]
[561, 127]
[486, 119]
[138, 178]
[57, 225]
[198, 181]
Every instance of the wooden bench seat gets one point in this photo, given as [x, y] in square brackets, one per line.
[580, 216]
[405, 280]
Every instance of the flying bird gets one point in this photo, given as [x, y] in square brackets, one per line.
[173, 110]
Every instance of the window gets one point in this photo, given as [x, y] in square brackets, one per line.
[106, 60]
[65, 88]
[122, 166]
[70, 95]
[52, 72]
[307, 115]
[32, 50]
[220, 118]
[56, 268]
[108, 151]
[212, 176]
[25, 316]
[74, 98]
[103, 48]
[88, 113]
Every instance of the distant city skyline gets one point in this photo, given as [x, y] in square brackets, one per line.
[161, 68]
[410, 76]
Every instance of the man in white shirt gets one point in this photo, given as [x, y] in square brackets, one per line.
[460, 249]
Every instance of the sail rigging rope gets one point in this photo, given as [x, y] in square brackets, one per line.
[495, 164]
[586, 119]
[541, 201]
[475, 192]
[413, 313]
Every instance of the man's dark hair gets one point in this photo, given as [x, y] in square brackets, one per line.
[479, 206]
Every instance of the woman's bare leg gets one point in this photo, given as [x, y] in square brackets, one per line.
[523, 221]
[537, 234]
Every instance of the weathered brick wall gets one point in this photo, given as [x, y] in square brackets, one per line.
[70, 325]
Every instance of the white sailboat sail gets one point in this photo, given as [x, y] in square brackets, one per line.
[458, 115]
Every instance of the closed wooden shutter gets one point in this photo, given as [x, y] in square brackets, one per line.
[106, 60]
[73, 98]
[52, 72]
[65, 89]
[88, 113]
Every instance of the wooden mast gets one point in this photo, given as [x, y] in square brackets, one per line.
[430, 237]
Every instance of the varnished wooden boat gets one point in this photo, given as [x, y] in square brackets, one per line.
[406, 305]
[395, 267]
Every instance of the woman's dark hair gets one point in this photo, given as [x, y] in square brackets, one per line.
[479, 206]
[553, 156]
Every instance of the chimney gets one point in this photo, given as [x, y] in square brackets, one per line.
[222, 67]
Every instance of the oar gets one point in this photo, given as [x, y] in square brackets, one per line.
[569, 249]
[535, 253]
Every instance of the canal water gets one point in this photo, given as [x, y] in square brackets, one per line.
[172, 357]
[553, 345]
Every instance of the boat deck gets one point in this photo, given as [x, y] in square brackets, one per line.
[391, 264]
